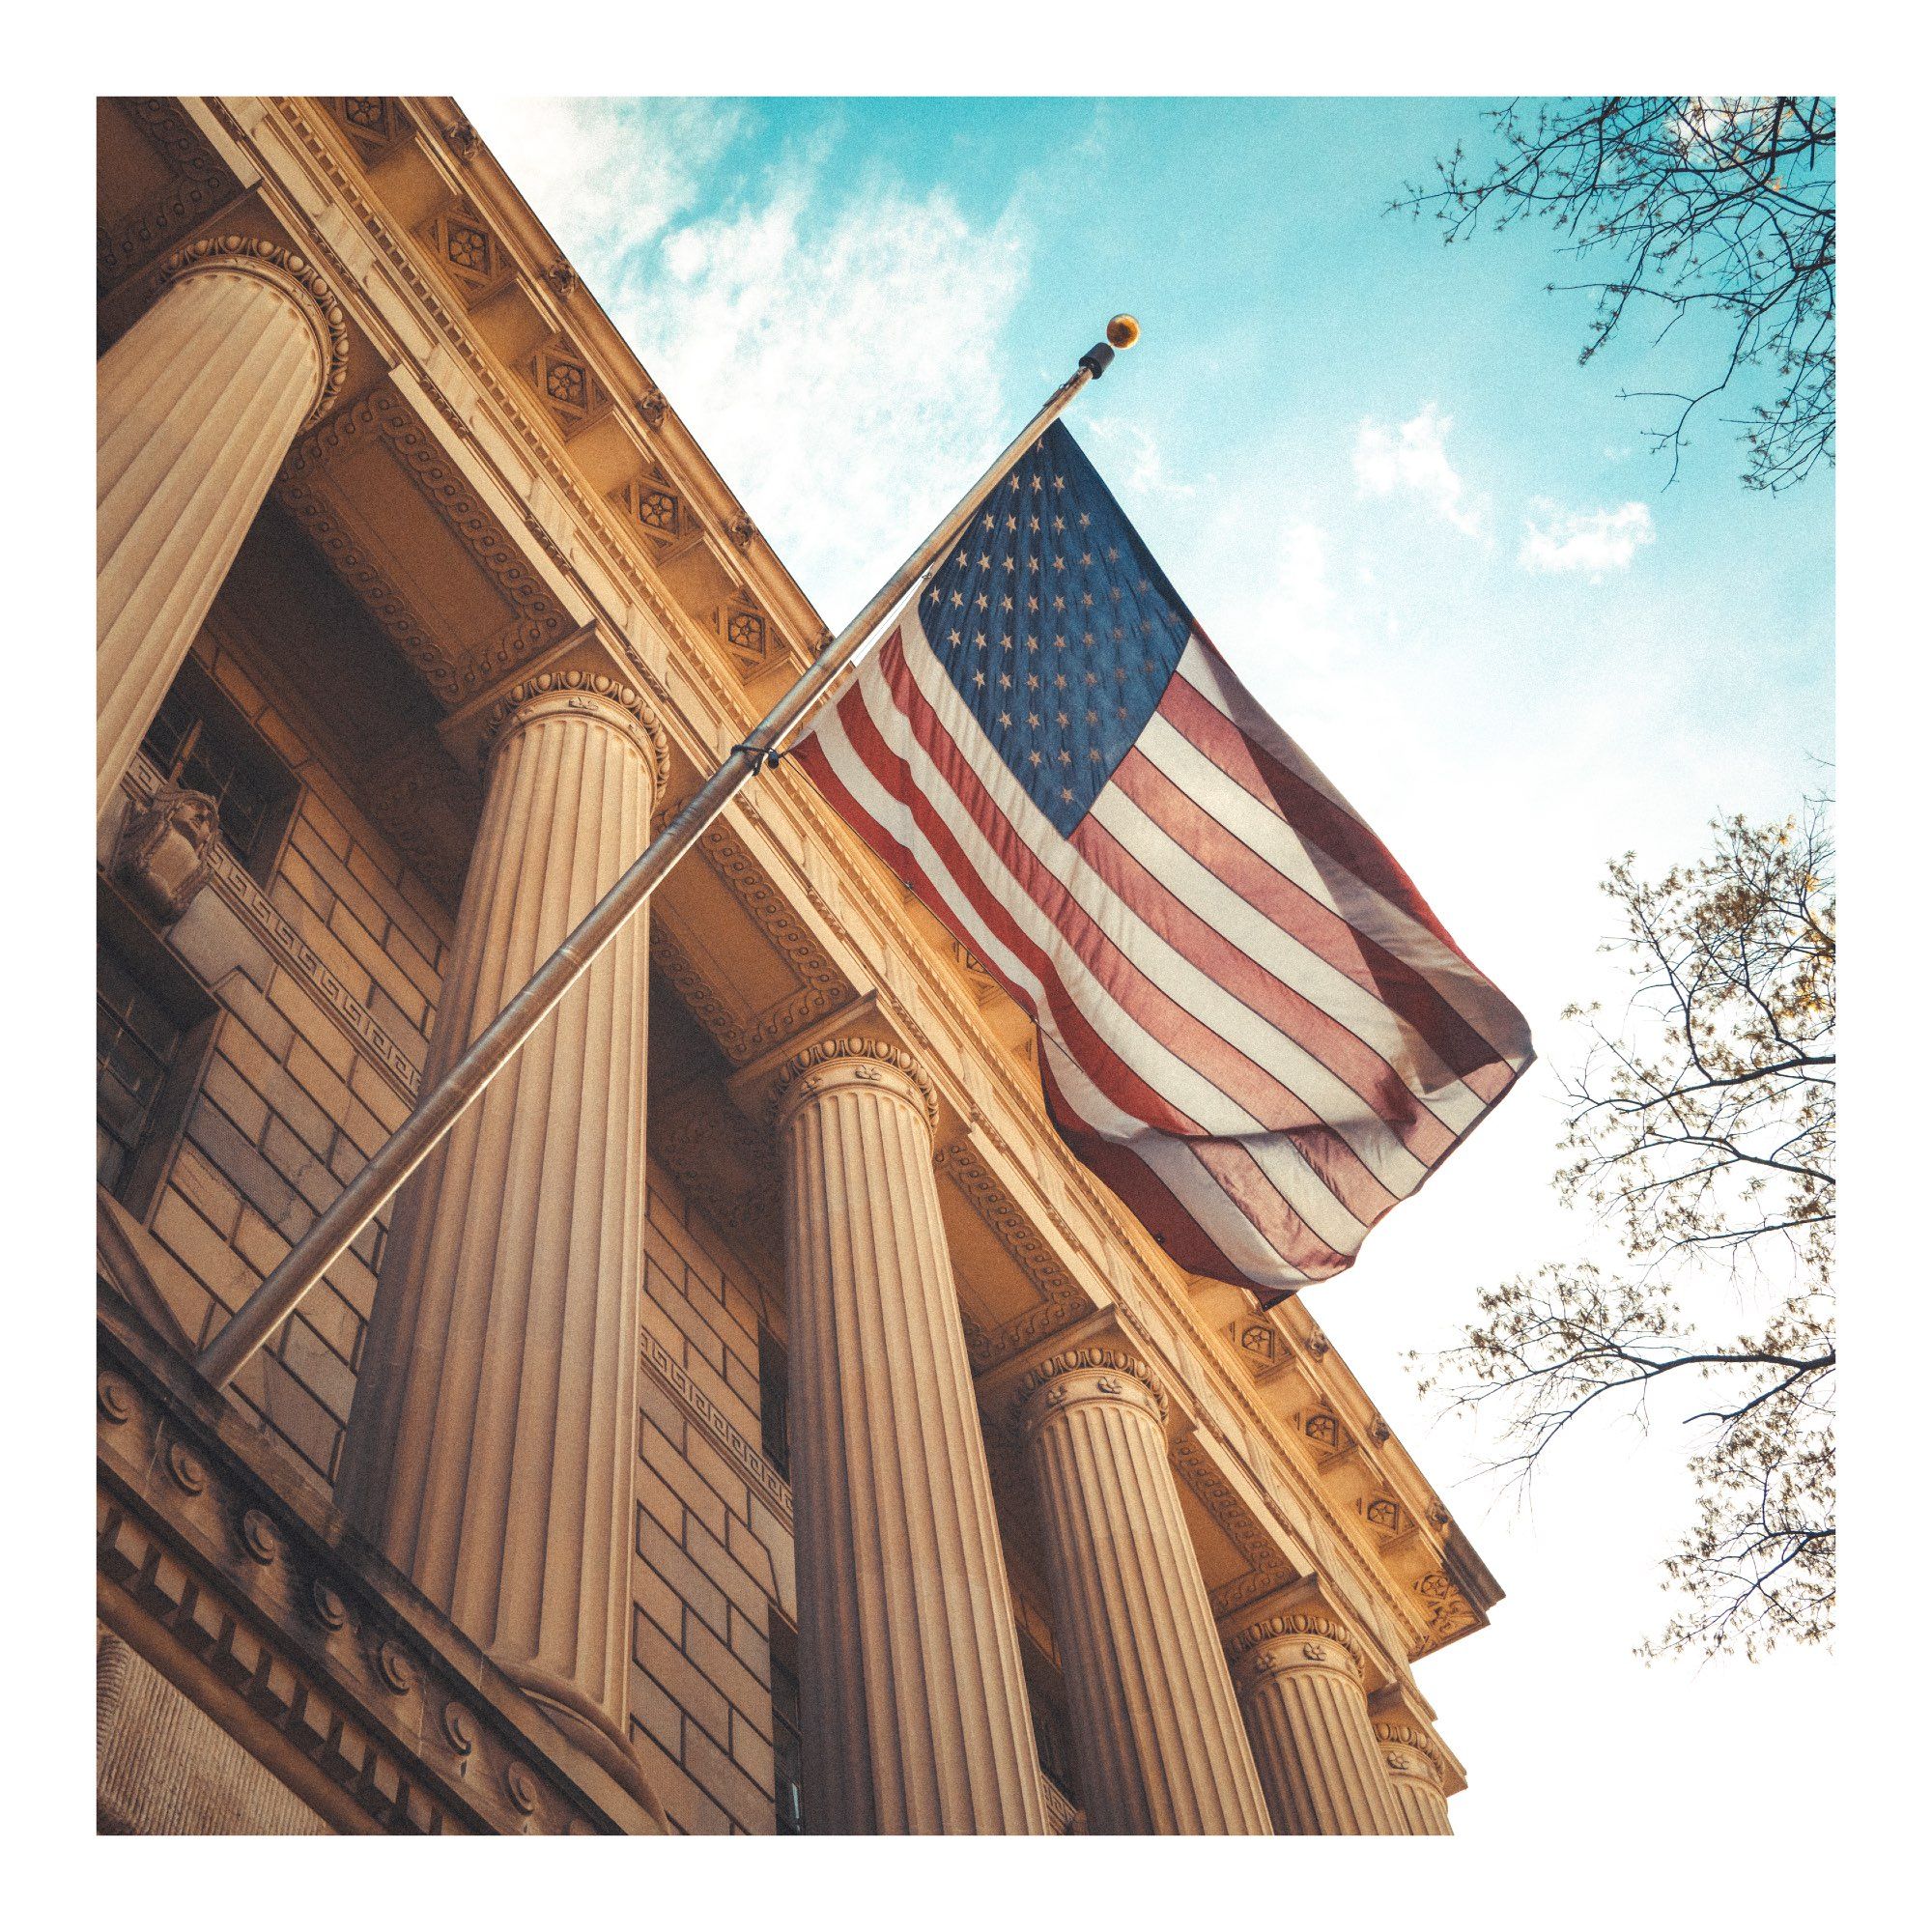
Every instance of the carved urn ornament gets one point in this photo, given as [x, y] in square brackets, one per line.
[166, 850]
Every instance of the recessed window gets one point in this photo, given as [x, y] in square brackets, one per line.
[1052, 1735]
[199, 740]
[774, 1402]
[152, 1028]
[788, 1738]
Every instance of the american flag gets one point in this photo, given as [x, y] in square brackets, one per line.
[1251, 1027]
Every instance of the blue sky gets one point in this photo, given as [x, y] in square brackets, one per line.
[1434, 546]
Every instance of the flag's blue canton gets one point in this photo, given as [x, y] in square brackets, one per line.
[1057, 626]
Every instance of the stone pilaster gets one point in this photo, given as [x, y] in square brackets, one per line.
[1416, 1774]
[194, 408]
[490, 1447]
[915, 1707]
[1299, 1676]
[1155, 1725]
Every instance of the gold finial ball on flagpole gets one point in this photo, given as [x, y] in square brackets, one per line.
[1123, 331]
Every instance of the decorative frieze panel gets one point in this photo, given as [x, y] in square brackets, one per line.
[1325, 1434]
[1445, 1609]
[1062, 1299]
[747, 637]
[1260, 1345]
[238, 1585]
[337, 519]
[197, 184]
[816, 986]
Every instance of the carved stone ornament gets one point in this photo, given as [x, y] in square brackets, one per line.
[165, 851]
[1259, 1650]
[311, 291]
[1070, 1373]
[582, 691]
[861, 1059]
[651, 406]
[1411, 1752]
[463, 138]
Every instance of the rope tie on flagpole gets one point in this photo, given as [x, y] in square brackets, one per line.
[439, 1110]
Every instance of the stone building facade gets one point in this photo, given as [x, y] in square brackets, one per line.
[753, 1419]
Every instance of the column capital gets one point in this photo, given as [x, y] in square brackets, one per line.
[588, 694]
[294, 277]
[1089, 1372]
[1411, 1753]
[846, 1058]
[1295, 1641]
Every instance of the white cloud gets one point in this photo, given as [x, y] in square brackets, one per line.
[1594, 542]
[607, 177]
[832, 343]
[1146, 468]
[1411, 458]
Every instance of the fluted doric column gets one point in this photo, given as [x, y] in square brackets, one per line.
[194, 408]
[491, 1443]
[1417, 1776]
[914, 1703]
[1299, 1676]
[1155, 1726]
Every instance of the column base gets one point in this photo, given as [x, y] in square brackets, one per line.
[587, 1726]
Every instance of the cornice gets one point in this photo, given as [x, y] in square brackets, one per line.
[232, 1574]
[627, 556]
[494, 385]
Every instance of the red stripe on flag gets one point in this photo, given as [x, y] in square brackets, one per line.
[1381, 975]
[1277, 1107]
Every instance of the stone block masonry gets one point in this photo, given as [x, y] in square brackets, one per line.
[714, 1540]
[326, 975]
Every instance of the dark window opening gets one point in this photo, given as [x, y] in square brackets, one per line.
[1052, 1735]
[153, 1023]
[788, 1739]
[200, 741]
[774, 1402]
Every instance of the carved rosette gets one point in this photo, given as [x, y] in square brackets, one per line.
[1087, 1375]
[308, 291]
[853, 1060]
[584, 693]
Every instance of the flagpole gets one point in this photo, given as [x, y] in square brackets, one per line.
[445, 1103]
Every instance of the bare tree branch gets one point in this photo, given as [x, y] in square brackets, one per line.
[1702, 1129]
[1722, 207]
